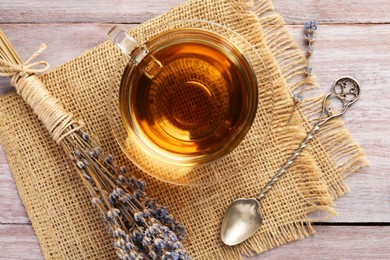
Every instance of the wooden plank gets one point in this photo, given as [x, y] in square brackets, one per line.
[12, 210]
[359, 50]
[135, 11]
[19, 242]
[74, 11]
[334, 11]
[336, 242]
[330, 242]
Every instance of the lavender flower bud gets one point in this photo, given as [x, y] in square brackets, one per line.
[109, 159]
[307, 25]
[113, 213]
[167, 255]
[85, 136]
[122, 233]
[115, 233]
[164, 230]
[159, 244]
[123, 169]
[138, 217]
[146, 241]
[177, 245]
[156, 226]
[309, 37]
[119, 251]
[117, 192]
[95, 201]
[153, 255]
[163, 211]
[121, 179]
[309, 51]
[133, 255]
[87, 177]
[298, 97]
[180, 227]
[112, 199]
[169, 220]
[310, 26]
[141, 184]
[90, 153]
[146, 213]
[137, 194]
[151, 230]
[125, 257]
[152, 203]
[132, 181]
[96, 152]
[119, 243]
[129, 246]
[175, 255]
[172, 237]
[80, 165]
[183, 255]
[137, 236]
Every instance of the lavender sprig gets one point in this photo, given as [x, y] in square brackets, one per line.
[139, 226]
[310, 28]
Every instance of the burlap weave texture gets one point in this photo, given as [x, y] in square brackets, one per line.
[58, 205]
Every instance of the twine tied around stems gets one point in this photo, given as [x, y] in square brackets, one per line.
[24, 78]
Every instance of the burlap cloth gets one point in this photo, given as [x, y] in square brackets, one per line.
[58, 205]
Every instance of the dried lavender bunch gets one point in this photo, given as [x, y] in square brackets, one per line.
[141, 228]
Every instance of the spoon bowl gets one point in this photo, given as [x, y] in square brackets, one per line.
[242, 219]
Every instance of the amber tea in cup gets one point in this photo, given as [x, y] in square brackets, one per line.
[188, 96]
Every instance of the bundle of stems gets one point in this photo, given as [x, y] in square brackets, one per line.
[140, 228]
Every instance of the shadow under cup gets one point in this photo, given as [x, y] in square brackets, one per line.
[186, 99]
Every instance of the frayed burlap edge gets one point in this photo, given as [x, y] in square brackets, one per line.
[342, 151]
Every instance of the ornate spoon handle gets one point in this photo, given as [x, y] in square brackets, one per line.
[347, 91]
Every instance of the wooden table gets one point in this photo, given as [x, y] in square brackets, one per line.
[353, 39]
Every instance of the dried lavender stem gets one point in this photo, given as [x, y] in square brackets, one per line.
[309, 30]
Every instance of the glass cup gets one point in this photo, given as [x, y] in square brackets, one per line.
[187, 98]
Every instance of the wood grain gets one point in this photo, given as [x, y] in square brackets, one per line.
[75, 11]
[353, 39]
[12, 210]
[334, 11]
[363, 52]
[19, 242]
[135, 11]
[336, 242]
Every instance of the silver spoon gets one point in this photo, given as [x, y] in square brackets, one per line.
[243, 217]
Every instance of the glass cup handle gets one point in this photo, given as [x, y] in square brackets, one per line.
[135, 51]
[123, 41]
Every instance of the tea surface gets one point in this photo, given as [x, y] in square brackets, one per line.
[196, 104]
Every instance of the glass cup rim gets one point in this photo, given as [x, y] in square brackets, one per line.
[147, 166]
